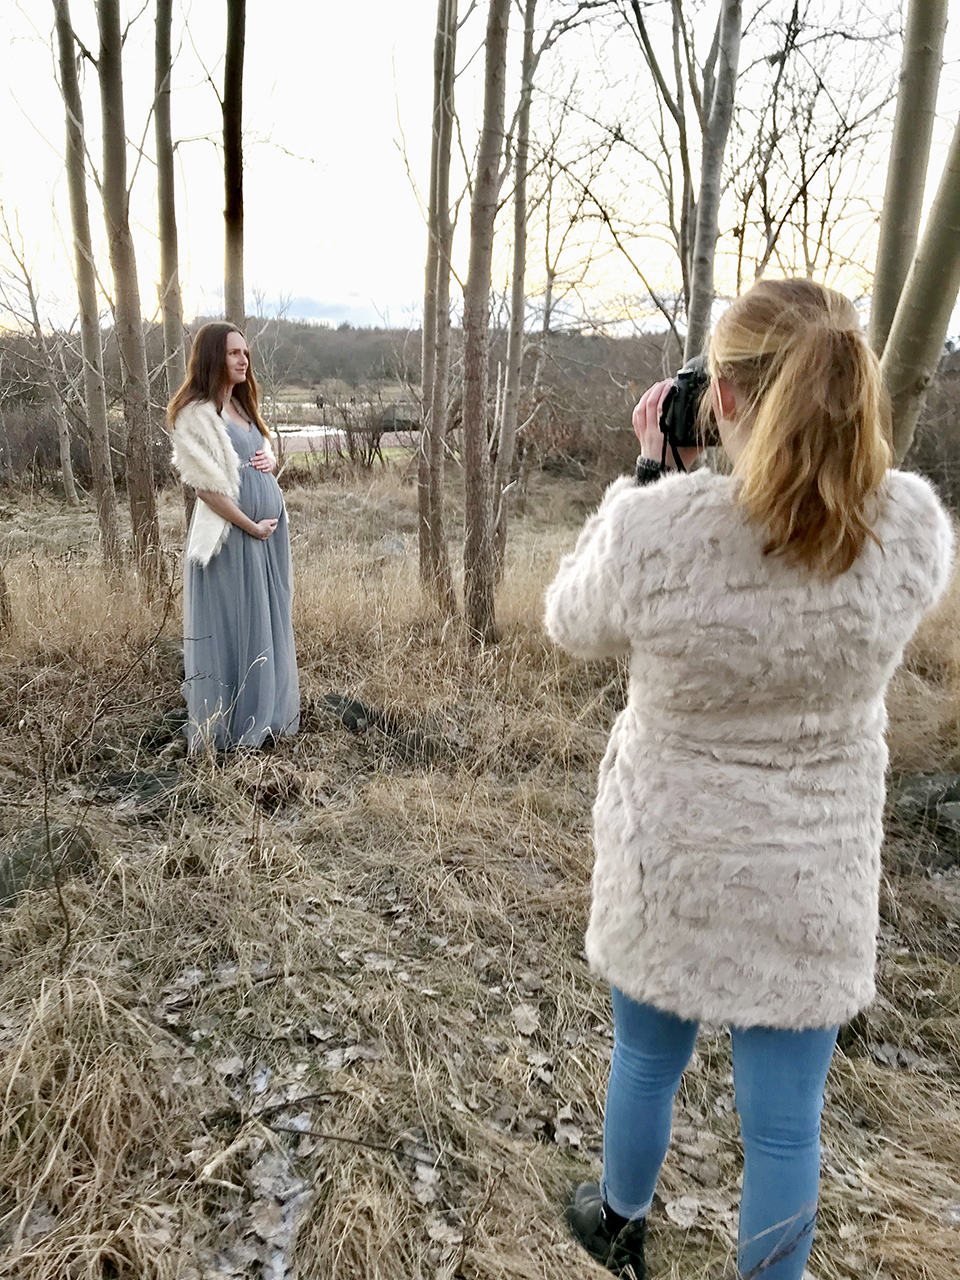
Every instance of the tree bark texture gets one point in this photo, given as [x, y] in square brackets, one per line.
[909, 155]
[434, 562]
[171, 304]
[171, 301]
[915, 342]
[233, 297]
[94, 394]
[478, 566]
[718, 114]
[518, 299]
[128, 320]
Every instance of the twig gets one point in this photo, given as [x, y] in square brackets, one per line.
[334, 1137]
[54, 864]
[470, 1230]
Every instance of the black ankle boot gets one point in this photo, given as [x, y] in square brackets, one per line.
[615, 1243]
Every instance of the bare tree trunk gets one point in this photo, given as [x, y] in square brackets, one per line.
[171, 304]
[478, 568]
[95, 403]
[434, 562]
[518, 299]
[233, 299]
[128, 320]
[909, 155]
[66, 462]
[719, 113]
[915, 342]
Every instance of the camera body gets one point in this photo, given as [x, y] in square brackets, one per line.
[679, 415]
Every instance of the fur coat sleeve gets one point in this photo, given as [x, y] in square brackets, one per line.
[584, 611]
[587, 609]
[205, 459]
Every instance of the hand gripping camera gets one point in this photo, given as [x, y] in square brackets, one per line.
[679, 417]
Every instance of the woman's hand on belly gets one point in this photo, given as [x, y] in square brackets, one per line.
[261, 461]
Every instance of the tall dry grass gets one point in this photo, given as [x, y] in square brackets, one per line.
[327, 1008]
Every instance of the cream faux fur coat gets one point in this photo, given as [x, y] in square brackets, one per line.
[737, 824]
[205, 459]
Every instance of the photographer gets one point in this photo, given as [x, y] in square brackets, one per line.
[737, 826]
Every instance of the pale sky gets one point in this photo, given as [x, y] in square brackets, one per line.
[335, 93]
[330, 213]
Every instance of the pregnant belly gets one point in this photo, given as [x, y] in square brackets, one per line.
[260, 496]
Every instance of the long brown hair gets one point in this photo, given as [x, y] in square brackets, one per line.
[207, 375]
[818, 418]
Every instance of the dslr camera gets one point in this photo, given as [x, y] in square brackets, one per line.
[679, 417]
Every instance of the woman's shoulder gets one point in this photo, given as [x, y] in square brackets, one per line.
[913, 507]
[913, 490]
[197, 415]
[917, 534]
[700, 496]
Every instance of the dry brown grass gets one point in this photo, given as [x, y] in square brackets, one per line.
[386, 957]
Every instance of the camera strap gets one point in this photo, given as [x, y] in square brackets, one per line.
[677, 460]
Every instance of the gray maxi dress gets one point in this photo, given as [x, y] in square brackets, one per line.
[240, 666]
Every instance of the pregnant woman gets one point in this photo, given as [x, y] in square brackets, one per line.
[240, 666]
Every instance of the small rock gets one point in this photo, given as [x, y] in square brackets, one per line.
[144, 790]
[352, 714]
[43, 854]
[167, 728]
[388, 546]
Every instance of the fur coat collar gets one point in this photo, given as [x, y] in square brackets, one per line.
[206, 459]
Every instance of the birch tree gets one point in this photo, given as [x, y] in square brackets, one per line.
[518, 298]
[915, 342]
[922, 60]
[232, 107]
[435, 359]
[94, 394]
[714, 112]
[128, 320]
[478, 514]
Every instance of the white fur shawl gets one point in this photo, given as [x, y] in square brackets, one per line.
[206, 459]
[737, 825]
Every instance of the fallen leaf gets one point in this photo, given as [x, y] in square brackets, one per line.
[567, 1135]
[266, 1220]
[526, 1019]
[261, 1078]
[683, 1211]
[442, 1232]
[425, 1183]
[228, 1067]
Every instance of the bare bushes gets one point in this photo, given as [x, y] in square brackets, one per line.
[30, 450]
[936, 448]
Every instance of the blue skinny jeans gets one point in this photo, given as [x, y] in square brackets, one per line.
[779, 1078]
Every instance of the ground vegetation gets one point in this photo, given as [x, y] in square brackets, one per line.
[324, 1010]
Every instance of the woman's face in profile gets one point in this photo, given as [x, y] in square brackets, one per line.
[238, 359]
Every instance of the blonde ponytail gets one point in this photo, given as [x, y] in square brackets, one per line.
[818, 449]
